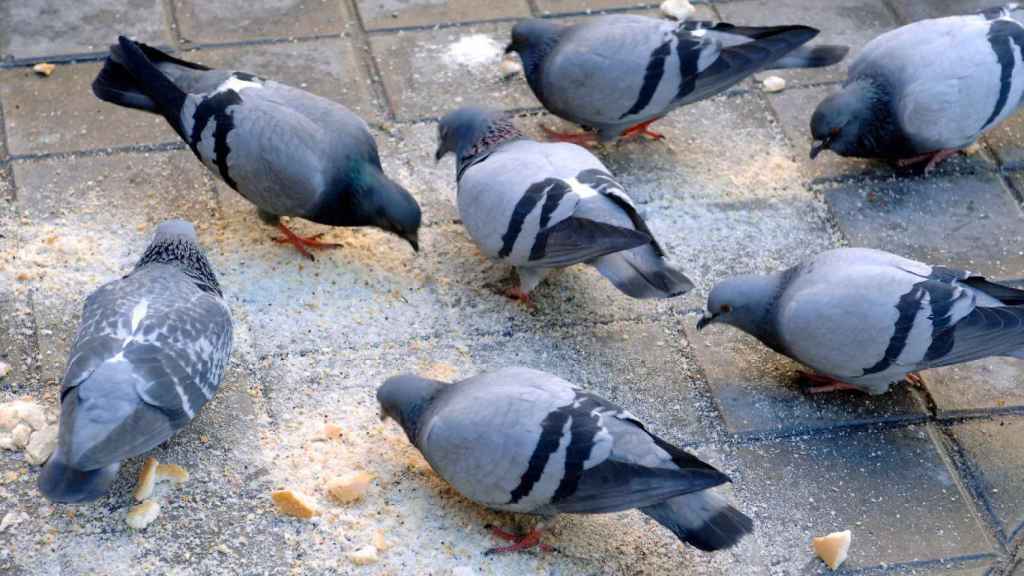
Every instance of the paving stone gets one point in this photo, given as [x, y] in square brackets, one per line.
[966, 221]
[61, 114]
[758, 391]
[383, 14]
[913, 10]
[976, 387]
[883, 484]
[849, 22]
[1005, 141]
[567, 6]
[993, 450]
[428, 73]
[35, 29]
[233, 20]
[329, 67]
[408, 157]
[124, 194]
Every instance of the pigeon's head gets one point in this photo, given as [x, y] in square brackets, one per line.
[405, 398]
[170, 229]
[741, 301]
[366, 197]
[533, 39]
[175, 243]
[398, 212]
[851, 122]
[460, 131]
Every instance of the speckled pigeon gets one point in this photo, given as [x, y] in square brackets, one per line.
[866, 318]
[521, 440]
[287, 151]
[541, 205]
[924, 91]
[619, 73]
[150, 352]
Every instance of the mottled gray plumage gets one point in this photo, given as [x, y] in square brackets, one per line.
[289, 152]
[868, 318]
[929, 86]
[150, 351]
[618, 71]
[539, 206]
[525, 441]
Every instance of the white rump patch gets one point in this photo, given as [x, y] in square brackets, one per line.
[580, 189]
[236, 84]
[699, 32]
[138, 313]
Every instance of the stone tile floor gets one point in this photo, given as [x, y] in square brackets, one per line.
[929, 480]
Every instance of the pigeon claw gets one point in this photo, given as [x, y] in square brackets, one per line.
[519, 543]
[301, 244]
[823, 383]
[642, 130]
[933, 159]
[517, 293]
[578, 138]
[915, 379]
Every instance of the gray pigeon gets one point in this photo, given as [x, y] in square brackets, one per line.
[287, 151]
[150, 352]
[540, 205]
[619, 73]
[924, 91]
[866, 318]
[521, 440]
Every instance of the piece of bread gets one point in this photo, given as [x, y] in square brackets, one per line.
[332, 431]
[833, 548]
[349, 488]
[364, 556]
[142, 515]
[172, 473]
[293, 503]
[147, 479]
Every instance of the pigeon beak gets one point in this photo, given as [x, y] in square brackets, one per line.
[705, 320]
[440, 153]
[413, 240]
[509, 49]
[817, 147]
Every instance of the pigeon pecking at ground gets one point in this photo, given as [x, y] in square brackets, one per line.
[287, 151]
[521, 440]
[541, 205]
[150, 352]
[617, 74]
[864, 318]
[922, 92]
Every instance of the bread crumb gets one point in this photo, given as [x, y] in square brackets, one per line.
[147, 480]
[350, 487]
[20, 435]
[42, 445]
[509, 67]
[293, 503]
[332, 431]
[44, 68]
[8, 416]
[10, 519]
[969, 151]
[171, 472]
[833, 548]
[677, 9]
[773, 84]
[6, 442]
[380, 542]
[30, 413]
[463, 571]
[142, 515]
[364, 556]
[5, 369]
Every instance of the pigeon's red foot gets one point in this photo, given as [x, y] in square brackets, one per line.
[915, 379]
[933, 159]
[642, 130]
[519, 543]
[301, 243]
[579, 138]
[517, 293]
[824, 383]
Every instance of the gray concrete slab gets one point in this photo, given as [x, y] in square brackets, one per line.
[383, 14]
[236, 20]
[38, 29]
[994, 457]
[969, 221]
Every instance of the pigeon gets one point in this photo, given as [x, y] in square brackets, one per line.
[287, 151]
[619, 73]
[922, 92]
[864, 319]
[543, 205]
[520, 440]
[150, 352]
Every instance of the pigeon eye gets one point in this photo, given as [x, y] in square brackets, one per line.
[835, 132]
[725, 308]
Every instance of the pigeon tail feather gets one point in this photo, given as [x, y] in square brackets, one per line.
[703, 519]
[812, 57]
[60, 482]
[642, 273]
[150, 82]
